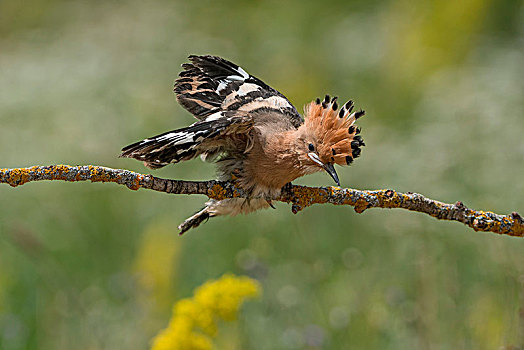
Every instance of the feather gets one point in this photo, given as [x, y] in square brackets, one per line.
[202, 137]
[210, 84]
[334, 130]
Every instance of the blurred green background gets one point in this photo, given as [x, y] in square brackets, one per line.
[97, 266]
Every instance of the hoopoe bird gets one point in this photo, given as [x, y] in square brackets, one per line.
[253, 133]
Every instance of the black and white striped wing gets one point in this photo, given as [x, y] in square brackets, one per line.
[203, 137]
[210, 84]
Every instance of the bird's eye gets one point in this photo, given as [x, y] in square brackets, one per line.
[311, 147]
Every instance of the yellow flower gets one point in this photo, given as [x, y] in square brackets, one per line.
[194, 320]
[225, 295]
[181, 338]
[195, 315]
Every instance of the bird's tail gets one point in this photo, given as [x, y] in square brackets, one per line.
[172, 146]
[195, 220]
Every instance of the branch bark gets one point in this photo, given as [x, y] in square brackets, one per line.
[300, 197]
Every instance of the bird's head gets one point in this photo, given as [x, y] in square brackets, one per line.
[329, 136]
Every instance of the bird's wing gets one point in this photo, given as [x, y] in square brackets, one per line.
[210, 84]
[226, 100]
[209, 136]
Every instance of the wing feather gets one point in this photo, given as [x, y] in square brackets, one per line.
[227, 101]
[210, 84]
[202, 137]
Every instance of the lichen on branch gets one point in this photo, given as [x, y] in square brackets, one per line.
[300, 197]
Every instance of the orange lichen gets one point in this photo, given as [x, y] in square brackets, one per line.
[300, 196]
[98, 174]
[361, 205]
[136, 182]
[391, 199]
[304, 196]
[18, 177]
[62, 168]
[518, 230]
[217, 192]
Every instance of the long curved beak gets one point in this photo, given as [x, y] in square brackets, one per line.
[330, 169]
[327, 167]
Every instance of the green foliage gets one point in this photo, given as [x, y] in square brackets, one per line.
[441, 84]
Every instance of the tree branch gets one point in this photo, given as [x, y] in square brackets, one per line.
[299, 196]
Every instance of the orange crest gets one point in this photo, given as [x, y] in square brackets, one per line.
[336, 135]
